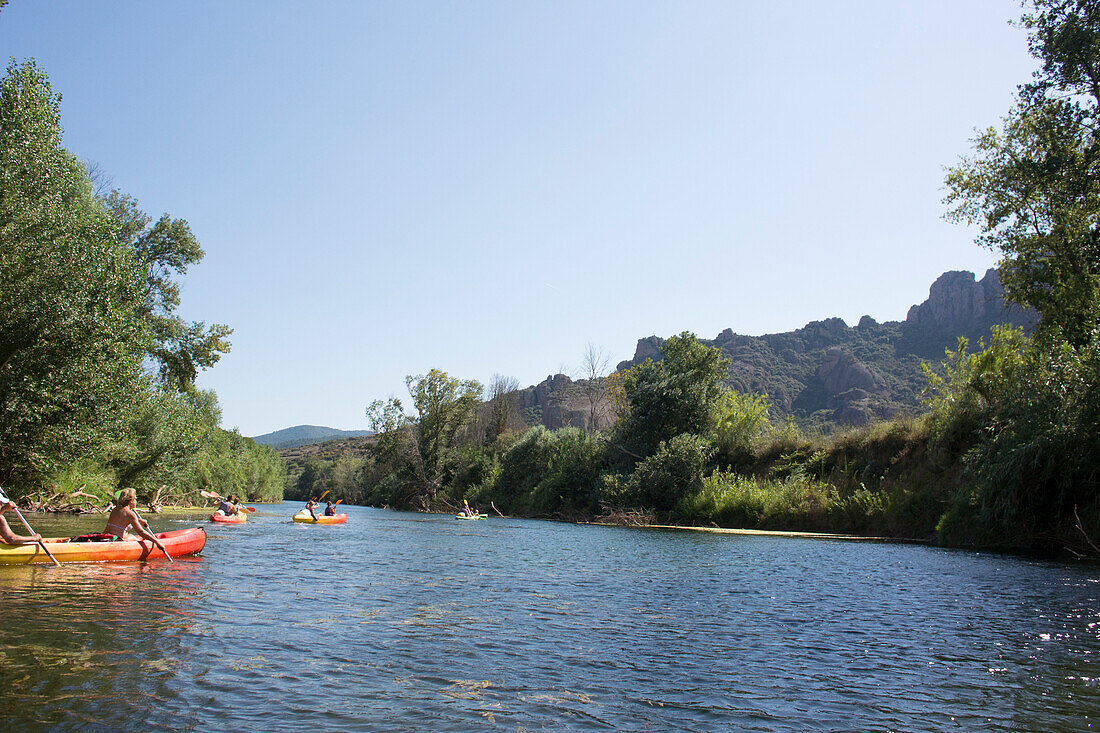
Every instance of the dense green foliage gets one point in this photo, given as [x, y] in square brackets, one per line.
[422, 452]
[70, 346]
[673, 396]
[88, 298]
[1034, 188]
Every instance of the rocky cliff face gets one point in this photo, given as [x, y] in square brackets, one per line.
[828, 373]
[959, 304]
[559, 402]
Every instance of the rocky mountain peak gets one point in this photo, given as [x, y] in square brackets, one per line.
[958, 302]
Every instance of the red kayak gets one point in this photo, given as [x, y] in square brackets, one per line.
[178, 543]
[229, 519]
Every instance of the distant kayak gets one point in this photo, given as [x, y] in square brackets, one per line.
[305, 518]
[178, 543]
[229, 519]
[475, 516]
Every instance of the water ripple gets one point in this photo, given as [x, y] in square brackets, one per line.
[401, 621]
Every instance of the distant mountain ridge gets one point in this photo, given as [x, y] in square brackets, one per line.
[826, 373]
[305, 435]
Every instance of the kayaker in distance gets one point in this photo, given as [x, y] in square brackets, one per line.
[9, 537]
[466, 510]
[330, 510]
[310, 506]
[124, 515]
[228, 507]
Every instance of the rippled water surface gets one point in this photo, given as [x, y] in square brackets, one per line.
[400, 621]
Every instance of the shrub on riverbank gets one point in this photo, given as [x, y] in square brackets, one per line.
[548, 472]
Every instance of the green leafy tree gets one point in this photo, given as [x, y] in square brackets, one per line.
[674, 471]
[552, 471]
[347, 475]
[676, 395]
[966, 388]
[70, 348]
[1034, 186]
[165, 250]
[738, 419]
[423, 450]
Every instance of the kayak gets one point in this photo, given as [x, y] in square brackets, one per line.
[178, 542]
[476, 516]
[223, 519]
[305, 518]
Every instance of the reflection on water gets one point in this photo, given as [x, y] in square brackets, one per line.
[399, 621]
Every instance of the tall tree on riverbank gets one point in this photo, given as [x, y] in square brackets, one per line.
[498, 410]
[594, 365]
[70, 347]
[165, 250]
[422, 450]
[673, 396]
[88, 295]
[1034, 189]
[1034, 186]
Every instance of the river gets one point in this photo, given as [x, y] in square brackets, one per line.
[401, 621]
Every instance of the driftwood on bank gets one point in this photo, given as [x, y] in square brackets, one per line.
[154, 501]
[626, 517]
[78, 502]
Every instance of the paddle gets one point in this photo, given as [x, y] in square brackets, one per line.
[4, 499]
[155, 540]
[216, 495]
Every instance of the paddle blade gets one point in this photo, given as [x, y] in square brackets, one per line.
[251, 509]
[338, 502]
[325, 494]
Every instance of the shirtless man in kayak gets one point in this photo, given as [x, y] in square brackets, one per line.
[124, 516]
[9, 537]
[311, 505]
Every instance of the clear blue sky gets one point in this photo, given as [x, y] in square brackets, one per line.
[386, 187]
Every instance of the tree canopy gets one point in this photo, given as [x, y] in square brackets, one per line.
[97, 369]
[1033, 186]
[70, 346]
[673, 396]
[422, 450]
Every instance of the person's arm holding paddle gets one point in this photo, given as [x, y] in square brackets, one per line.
[7, 535]
[125, 515]
[11, 538]
[142, 528]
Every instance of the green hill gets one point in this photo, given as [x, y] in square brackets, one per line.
[305, 435]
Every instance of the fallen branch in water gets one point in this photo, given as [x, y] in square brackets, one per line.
[1081, 529]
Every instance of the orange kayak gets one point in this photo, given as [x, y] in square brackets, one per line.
[179, 542]
[230, 519]
[304, 517]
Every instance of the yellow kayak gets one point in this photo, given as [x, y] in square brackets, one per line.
[178, 543]
[305, 518]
